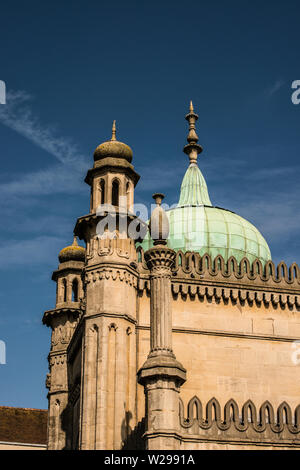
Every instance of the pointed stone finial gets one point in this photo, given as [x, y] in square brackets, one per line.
[193, 148]
[113, 136]
[75, 243]
[159, 222]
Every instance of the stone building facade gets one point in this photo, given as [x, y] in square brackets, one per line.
[168, 341]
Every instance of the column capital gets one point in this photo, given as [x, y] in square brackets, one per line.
[160, 260]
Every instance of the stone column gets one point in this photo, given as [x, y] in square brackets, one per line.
[162, 375]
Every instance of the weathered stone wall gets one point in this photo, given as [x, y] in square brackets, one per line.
[230, 350]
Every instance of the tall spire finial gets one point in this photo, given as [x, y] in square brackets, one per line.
[113, 136]
[193, 148]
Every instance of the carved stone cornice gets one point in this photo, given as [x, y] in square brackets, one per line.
[113, 165]
[87, 223]
[66, 268]
[122, 275]
[241, 294]
[73, 311]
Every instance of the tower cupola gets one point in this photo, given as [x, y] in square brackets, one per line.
[72, 252]
[113, 148]
[112, 180]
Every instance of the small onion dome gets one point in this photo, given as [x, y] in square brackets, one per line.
[113, 148]
[159, 223]
[73, 252]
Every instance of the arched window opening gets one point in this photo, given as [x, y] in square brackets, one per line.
[64, 283]
[115, 193]
[102, 191]
[75, 291]
[128, 195]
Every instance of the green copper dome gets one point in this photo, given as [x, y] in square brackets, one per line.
[196, 225]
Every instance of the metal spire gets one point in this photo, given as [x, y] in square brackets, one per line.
[113, 136]
[193, 148]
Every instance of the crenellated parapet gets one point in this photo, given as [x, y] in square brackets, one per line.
[192, 264]
[265, 425]
[208, 278]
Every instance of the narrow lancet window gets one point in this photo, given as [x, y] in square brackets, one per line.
[64, 283]
[115, 193]
[102, 192]
[75, 291]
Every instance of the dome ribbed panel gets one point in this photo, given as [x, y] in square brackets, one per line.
[193, 190]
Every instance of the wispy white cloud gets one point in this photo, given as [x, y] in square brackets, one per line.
[69, 164]
[17, 115]
[22, 193]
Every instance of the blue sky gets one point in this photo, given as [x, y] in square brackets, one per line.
[71, 68]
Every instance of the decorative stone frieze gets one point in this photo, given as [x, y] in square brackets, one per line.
[111, 273]
[196, 276]
[266, 425]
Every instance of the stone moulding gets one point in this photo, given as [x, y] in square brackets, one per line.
[74, 313]
[248, 423]
[111, 273]
[237, 295]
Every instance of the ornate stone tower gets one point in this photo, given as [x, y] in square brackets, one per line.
[63, 320]
[108, 390]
